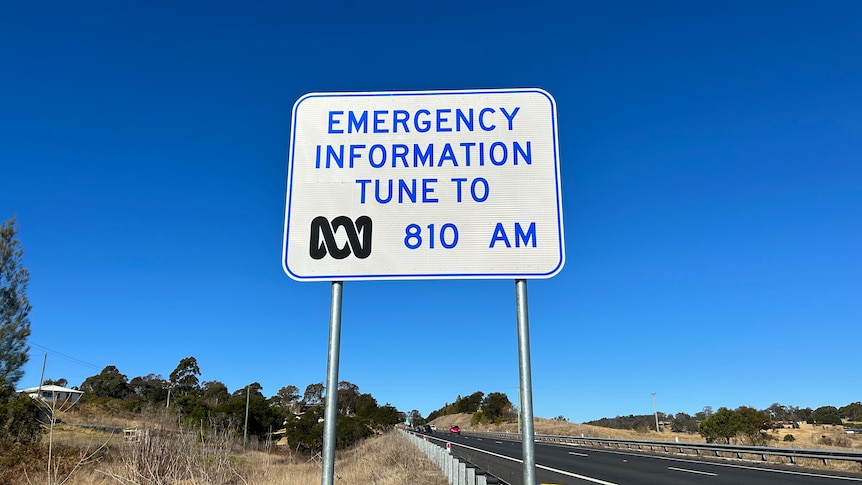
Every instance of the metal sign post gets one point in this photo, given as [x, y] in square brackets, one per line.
[419, 185]
[528, 434]
[331, 401]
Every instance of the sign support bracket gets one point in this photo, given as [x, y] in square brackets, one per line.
[528, 433]
[331, 401]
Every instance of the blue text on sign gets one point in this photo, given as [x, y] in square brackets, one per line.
[443, 120]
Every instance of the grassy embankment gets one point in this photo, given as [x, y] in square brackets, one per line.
[170, 455]
[89, 456]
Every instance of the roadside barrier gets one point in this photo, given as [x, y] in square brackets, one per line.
[739, 452]
[457, 471]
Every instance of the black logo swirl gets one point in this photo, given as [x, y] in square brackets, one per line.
[320, 226]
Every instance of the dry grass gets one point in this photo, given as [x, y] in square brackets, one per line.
[180, 458]
[388, 459]
[90, 456]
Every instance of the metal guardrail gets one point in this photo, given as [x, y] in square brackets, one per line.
[456, 471]
[717, 450]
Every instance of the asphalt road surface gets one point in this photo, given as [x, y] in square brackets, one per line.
[577, 465]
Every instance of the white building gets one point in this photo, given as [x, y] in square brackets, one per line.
[52, 394]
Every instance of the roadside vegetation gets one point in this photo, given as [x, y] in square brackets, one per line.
[747, 425]
[168, 455]
[155, 430]
[495, 408]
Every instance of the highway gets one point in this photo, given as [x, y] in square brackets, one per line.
[565, 464]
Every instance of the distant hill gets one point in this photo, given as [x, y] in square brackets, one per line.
[635, 422]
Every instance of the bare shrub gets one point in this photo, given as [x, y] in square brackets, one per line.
[842, 441]
[162, 456]
[15, 458]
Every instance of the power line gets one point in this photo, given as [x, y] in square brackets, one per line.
[67, 357]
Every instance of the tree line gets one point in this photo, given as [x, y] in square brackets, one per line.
[746, 423]
[246, 408]
[495, 408]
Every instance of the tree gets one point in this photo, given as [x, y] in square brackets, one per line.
[705, 413]
[366, 406]
[475, 401]
[214, 393]
[287, 396]
[306, 433]
[495, 407]
[719, 425]
[750, 423]
[348, 393]
[152, 388]
[684, 423]
[19, 418]
[62, 382]
[350, 430]
[641, 422]
[108, 384]
[793, 414]
[468, 404]
[852, 411]
[14, 307]
[313, 394]
[779, 412]
[826, 415]
[387, 416]
[184, 379]
[262, 418]
[805, 414]
[415, 418]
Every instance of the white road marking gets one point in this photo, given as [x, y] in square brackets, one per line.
[543, 467]
[575, 475]
[691, 471]
[732, 465]
[578, 454]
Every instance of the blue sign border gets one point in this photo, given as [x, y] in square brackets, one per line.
[413, 276]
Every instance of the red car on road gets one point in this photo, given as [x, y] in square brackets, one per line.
[455, 429]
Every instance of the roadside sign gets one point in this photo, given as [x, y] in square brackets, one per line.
[424, 185]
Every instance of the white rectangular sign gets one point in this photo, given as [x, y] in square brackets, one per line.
[424, 185]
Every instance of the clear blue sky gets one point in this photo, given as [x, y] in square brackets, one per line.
[711, 159]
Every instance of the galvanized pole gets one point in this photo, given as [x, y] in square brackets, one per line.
[42, 375]
[245, 427]
[528, 434]
[331, 401]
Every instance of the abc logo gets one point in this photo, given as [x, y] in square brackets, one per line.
[320, 226]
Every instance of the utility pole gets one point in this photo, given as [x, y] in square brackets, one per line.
[245, 427]
[42, 376]
[655, 412]
[519, 409]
